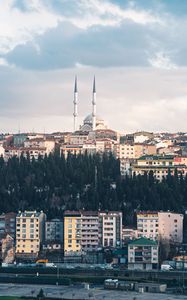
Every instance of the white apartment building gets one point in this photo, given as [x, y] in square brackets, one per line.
[30, 232]
[148, 224]
[39, 143]
[89, 230]
[142, 254]
[32, 152]
[110, 229]
[160, 226]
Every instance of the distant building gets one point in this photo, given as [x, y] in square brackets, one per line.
[110, 229]
[142, 254]
[160, 226]
[159, 165]
[72, 232]
[8, 224]
[54, 231]
[171, 226]
[30, 232]
[87, 231]
[148, 224]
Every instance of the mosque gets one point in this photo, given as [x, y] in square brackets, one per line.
[92, 122]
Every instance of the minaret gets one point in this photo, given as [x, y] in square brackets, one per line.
[75, 101]
[94, 106]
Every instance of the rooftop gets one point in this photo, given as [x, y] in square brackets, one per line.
[143, 241]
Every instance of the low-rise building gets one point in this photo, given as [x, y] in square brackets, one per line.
[142, 254]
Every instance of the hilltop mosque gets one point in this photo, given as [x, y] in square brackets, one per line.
[92, 121]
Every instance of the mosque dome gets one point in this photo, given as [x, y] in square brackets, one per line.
[87, 123]
[88, 120]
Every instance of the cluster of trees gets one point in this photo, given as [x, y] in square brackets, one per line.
[54, 184]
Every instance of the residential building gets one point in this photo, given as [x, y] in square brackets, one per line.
[159, 165]
[32, 152]
[148, 224]
[144, 149]
[72, 232]
[30, 232]
[129, 234]
[171, 226]
[89, 230]
[160, 226]
[142, 254]
[8, 224]
[71, 149]
[110, 229]
[54, 231]
[41, 143]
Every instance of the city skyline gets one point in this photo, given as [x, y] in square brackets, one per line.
[136, 49]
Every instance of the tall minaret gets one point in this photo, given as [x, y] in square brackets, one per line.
[75, 101]
[94, 106]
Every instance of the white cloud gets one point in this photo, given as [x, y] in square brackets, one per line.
[162, 61]
[17, 26]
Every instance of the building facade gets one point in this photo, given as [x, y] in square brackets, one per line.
[160, 226]
[30, 232]
[110, 229]
[142, 254]
[54, 231]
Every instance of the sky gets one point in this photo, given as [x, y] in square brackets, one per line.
[135, 48]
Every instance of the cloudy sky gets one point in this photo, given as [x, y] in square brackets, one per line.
[137, 50]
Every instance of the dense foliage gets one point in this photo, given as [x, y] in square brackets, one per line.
[54, 184]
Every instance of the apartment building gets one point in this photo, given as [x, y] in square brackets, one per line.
[8, 224]
[32, 152]
[54, 231]
[160, 226]
[144, 149]
[72, 232]
[159, 165]
[89, 230]
[171, 226]
[110, 229]
[142, 254]
[126, 151]
[148, 224]
[72, 149]
[41, 143]
[30, 232]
